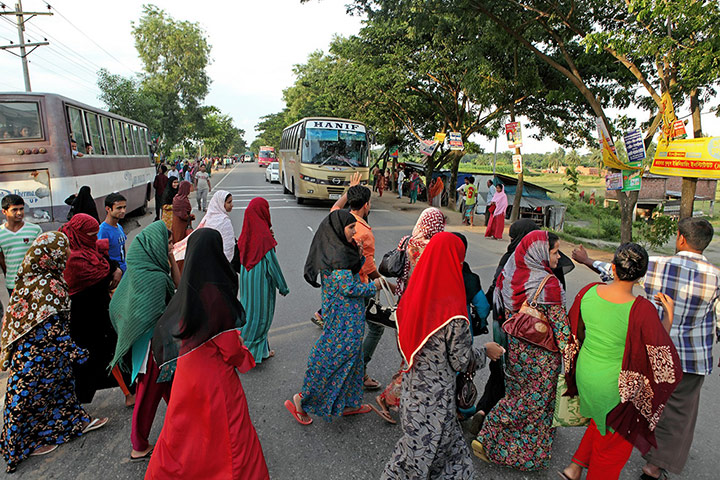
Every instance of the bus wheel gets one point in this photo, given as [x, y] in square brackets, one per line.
[300, 200]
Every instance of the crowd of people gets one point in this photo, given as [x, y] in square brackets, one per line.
[187, 310]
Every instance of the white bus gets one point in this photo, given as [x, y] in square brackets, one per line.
[319, 155]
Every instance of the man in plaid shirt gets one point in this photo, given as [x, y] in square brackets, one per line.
[694, 284]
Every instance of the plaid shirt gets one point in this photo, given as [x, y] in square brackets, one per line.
[694, 284]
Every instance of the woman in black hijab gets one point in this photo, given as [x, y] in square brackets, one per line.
[171, 189]
[199, 332]
[333, 384]
[82, 203]
[478, 306]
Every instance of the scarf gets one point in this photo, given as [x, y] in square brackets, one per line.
[84, 203]
[518, 230]
[523, 273]
[430, 222]
[86, 265]
[650, 372]
[501, 202]
[144, 290]
[170, 192]
[216, 218]
[436, 188]
[205, 304]
[256, 238]
[434, 296]
[330, 249]
[181, 203]
[40, 291]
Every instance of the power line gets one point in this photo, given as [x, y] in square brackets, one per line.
[45, 67]
[64, 45]
[69, 72]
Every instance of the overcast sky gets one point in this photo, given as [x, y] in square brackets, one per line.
[254, 47]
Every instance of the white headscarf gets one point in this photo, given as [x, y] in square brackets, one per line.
[218, 219]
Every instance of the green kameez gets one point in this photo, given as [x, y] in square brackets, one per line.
[600, 358]
[257, 295]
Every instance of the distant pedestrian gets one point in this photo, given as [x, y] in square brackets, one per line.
[182, 212]
[470, 198]
[167, 200]
[488, 200]
[217, 218]
[159, 185]
[381, 182]
[174, 172]
[260, 277]
[41, 408]
[415, 183]
[115, 206]
[375, 174]
[207, 432]
[137, 305]
[83, 202]
[202, 187]
[16, 236]
[400, 182]
[333, 384]
[435, 192]
[499, 206]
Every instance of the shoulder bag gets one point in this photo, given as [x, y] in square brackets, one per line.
[465, 390]
[531, 324]
[393, 262]
[379, 314]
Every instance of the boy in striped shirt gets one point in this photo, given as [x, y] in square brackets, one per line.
[16, 237]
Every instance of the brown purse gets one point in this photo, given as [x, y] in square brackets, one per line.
[531, 324]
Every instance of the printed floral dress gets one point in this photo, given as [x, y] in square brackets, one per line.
[518, 431]
[333, 380]
[41, 407]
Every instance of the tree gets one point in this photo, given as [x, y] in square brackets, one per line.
[129, 98]
[218, 134]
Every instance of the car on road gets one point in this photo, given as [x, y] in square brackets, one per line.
[272, 173]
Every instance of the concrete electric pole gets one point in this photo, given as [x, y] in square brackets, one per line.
[20, 20]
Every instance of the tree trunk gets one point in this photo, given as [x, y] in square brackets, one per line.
[515, 214]
[454, 167]
[627, 201]
[689, 185]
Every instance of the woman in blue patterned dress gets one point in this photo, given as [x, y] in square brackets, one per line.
[333, 384]
[41, 408]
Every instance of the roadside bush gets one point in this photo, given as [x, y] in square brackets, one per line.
[656, 232]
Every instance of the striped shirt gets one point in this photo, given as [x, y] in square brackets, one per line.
[14, 246]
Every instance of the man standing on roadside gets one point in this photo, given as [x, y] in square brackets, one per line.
[400, 180]
[159, 185]
[115, 206]
[202, 187]
[174, 172]
[694, 284]
[16, 237]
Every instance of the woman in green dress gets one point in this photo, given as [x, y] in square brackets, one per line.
[260, 277]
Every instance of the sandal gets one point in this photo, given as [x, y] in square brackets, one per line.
[645, 476]
[370, 384]
[479, 451]
[292, 408]
[142, 457]
[95, 424]
[365, 408]
[44, 450]
[384, 411]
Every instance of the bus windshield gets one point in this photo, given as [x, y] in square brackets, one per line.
[19, 121]
[266, 154]
[335, 147]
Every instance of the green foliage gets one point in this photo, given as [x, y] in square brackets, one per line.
[592, 221]
[218, 134]
[130, 98]
[571, 185]
[656, 232]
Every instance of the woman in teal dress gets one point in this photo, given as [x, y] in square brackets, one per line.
[260, 277]
[333, 384]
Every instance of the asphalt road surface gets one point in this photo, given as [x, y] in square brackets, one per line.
[349, 448]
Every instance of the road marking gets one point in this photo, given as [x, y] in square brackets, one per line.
[226, 175]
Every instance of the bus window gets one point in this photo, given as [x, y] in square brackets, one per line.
[94, 130]
[77, 132]
[335, 147]
[144, 141]
[136, 138]
[119, 137]
[19, 121]
[128, 139]
[109, 137]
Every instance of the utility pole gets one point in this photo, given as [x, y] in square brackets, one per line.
[20, 20]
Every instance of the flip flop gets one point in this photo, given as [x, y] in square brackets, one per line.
[45, 452]
[94, 424]
[384, 414]
[479, 451]
[143, 457]
[362, 409]
[290, 405]
[370, 384]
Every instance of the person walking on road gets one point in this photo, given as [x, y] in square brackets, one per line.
[435, 191]
[415, 182]
[41, 408]
[260, 277]
[110, 229]
[400, 182]
[217, 218]
[167, 201]
[137, 305]
[16, 236]
[159, 185]
[381, 182]
[488, 200]
[202, 187]
[207, 432]
[498, 206]
[83, 202]
[436, 344]
[333, 384]
[182, 212]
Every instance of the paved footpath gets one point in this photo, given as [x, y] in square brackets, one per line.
[350, 448]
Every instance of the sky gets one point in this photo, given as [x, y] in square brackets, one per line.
[254, 47]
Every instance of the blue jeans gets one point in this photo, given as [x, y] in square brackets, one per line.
[372, 338]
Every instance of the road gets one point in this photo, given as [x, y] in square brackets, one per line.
[350, 448]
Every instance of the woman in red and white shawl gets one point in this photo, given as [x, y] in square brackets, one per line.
[182, 212]
[498, 206]
[518, 431]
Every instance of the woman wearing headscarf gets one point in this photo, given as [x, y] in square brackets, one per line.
[498, 207]
[182, 212]
[435, 192]
[88, 275]
[217, 218]
[414, 187]
[82, 203]
[199, 331]
[38, 352]
[518, 433]
[333, 384]
[168, 195]
[431, 222]
[436, 344]
[139, 301]
[260, 277]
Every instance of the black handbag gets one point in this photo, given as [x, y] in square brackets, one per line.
[393, 262]
[379, 314]
[465, 390]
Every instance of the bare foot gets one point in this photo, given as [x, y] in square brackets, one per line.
[130, 400]
[298, 406]
[652, 470]
[572, 471]
[271, 354]
[137, 454]
[43, 450]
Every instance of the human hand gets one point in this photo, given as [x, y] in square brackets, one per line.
[668, 305]
[355, 179]
[116, 277]
[494, 351]
[580, 255]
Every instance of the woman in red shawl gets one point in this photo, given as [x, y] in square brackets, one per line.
[260, 277]
[436, 343]
[626, 368]
[182, 212]
[89, 274]
[518, 431]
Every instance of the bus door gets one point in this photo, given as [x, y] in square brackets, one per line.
[34, 187]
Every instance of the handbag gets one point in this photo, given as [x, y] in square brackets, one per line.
[379, 314]
[531, 324]
[393, 262]
[465, 391]
[567, 409]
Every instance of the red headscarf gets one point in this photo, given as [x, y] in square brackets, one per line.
[256, 238]
[181, 204]
[86, 265]
[434, 296]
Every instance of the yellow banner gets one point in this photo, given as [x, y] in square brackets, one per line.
[610, 158]
[694, 157]
[439, 137]
[669, 118]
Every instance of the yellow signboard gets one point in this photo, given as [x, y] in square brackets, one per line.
[695, 157]
[439, 137]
